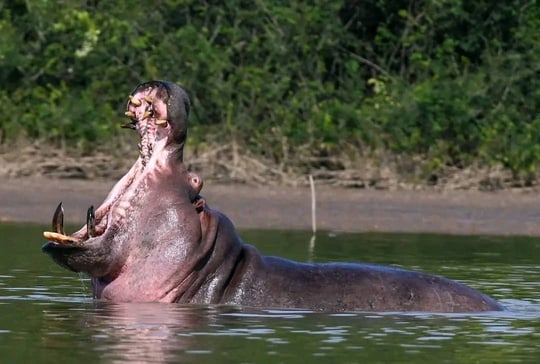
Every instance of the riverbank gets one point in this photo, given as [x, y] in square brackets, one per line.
[505, 212]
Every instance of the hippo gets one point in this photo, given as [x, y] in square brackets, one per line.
[156, 239]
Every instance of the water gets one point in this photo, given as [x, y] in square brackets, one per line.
[47, 314]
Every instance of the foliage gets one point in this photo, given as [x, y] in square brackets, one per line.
[453, 81]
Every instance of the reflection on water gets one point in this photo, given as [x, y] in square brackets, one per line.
[48, 315]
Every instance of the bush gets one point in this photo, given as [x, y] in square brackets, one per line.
[452, 81]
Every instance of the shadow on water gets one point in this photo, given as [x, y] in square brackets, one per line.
[48, 315]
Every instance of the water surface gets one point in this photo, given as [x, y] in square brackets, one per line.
[48, 315]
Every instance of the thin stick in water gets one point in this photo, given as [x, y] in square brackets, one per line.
[313, 206]
[313, 218]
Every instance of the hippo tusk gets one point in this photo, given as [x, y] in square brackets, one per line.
[60, 238]
[91, 222]
[58, 235]
[58, 220]
[161, 122]
[135, 101]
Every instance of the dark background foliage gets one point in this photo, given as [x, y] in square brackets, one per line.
[454, 82]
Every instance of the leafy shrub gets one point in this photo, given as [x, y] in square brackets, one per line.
[452, 81]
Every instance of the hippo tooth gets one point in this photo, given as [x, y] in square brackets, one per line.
[148, 99]
[130, 114]
[91, 222]
[147, 114]
[59, 238]
[161, 122]
[135, 101]
[58, 219]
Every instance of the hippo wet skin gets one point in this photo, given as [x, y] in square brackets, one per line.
[154, 238]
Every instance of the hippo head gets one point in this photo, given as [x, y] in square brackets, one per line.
[142, 243]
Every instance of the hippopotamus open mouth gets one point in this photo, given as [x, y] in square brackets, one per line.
[155, 239]
[154, 199]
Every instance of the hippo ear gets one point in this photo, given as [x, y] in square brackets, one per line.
[178, 107]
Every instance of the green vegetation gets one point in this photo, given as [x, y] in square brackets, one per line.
[453, 82]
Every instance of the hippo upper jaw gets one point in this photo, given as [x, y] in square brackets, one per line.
[158, 109]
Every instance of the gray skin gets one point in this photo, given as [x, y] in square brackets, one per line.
[156, 239]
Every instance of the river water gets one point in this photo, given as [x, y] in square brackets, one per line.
[47, 313]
